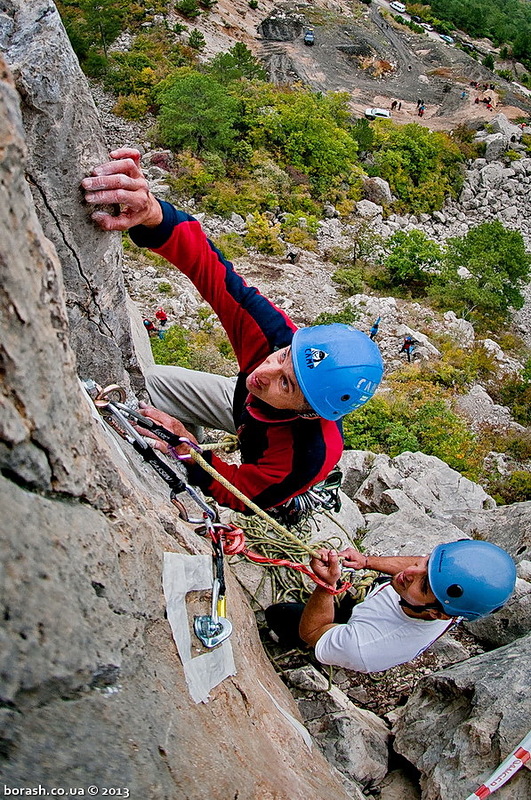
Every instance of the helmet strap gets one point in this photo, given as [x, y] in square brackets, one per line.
[419, 609]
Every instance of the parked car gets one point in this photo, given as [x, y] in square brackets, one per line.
[414, 18]
[400, 7]
[377, 113]
[447, 39]
[427, 26]
[309, 38]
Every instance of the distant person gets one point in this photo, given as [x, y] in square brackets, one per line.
[408, 346]
[401, 616]
[374, 330]
[149, 326]
[393, 105]
[161, 315]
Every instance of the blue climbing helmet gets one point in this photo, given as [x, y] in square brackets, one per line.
[338, 368]
[471, 579]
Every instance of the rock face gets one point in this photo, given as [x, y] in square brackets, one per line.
[93, 692]
[65, 142]
[281, 26]
[459, 724]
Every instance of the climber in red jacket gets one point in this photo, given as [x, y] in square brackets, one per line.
[294, 385]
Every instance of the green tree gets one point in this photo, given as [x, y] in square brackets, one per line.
[237, 63]
[488, 61]
[413, 260]
[197, 112]
[196, 40]
[483, 273]
[422, 167]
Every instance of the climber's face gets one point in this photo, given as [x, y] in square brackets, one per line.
[412, 583]
[275, 383]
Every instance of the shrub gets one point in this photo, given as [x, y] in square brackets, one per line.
[253, 4]
[412, 261]
[347, 315]
[196, 40]
[165, 288]
[131, 106]
[514, 489]
[349, 279]
[231, 245]
[263, 236]
[418, 421]
[188, 8]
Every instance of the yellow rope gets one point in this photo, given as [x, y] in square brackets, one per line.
[249, 503]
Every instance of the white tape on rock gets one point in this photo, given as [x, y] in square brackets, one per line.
[182, 574]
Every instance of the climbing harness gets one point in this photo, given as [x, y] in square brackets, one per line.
[519, 757]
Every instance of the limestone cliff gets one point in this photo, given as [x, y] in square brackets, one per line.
[91, 685]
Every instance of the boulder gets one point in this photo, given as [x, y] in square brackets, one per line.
[406, 533]
[281, 26]
[377, 191]
[368, 210]
[65, 141]
[479, 408]
[507, 624]
[353, 738]
[459, 724]
[507, 526]
[500, 124]
[496, 145]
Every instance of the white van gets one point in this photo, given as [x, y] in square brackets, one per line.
[377, 113]
[400, 7]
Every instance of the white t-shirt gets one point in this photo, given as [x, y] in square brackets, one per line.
[378, 635]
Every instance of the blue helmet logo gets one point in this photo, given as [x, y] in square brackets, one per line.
[338, 368]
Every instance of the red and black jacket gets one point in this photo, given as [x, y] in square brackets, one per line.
[282, 453]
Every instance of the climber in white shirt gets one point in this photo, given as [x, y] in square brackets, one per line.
[401, 617]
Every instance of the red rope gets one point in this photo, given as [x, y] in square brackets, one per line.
[234, 543]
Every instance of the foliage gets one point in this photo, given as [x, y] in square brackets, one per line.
[514, 488]
[515, 392]
[412, 261]
[263, 236]
[173, 349]
[137, 72]
[188, 8]
[419, 421]
[196, 40]
[457, 368]
[422, 166]
[236, 63]
[347, 315]
[165, 288]
[488, 61]
[349, 279]
[231, 245]
[502, 21]
[196, 112]
[497, 267]
[206, 349]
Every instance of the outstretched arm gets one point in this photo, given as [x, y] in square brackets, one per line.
[318, 615]
[391, 565]
[121, 181]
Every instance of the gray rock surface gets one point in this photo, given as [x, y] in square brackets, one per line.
[65, 141]
[507, 526]
[459, 724]
[355, 739]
